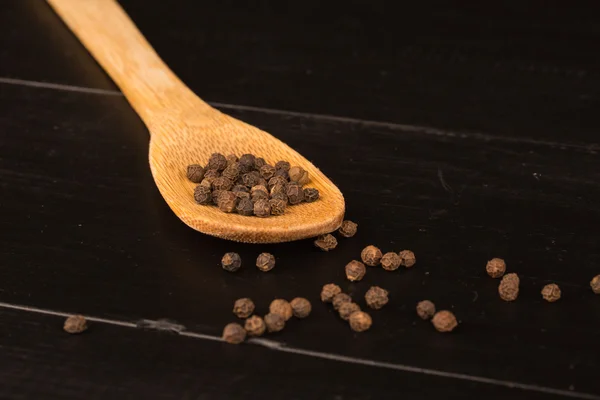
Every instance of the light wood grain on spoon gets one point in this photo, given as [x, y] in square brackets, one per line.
[185, 130]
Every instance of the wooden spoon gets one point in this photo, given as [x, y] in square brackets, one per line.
[185, 130]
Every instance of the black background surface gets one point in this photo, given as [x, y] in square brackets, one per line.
[462, 133]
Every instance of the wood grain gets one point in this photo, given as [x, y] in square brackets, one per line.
[185, 130]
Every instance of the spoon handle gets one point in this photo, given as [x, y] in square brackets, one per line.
[118, 46]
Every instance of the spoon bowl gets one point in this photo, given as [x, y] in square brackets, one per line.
[185, 130]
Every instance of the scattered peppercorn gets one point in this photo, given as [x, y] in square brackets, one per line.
[301, 307]
[255, 326]
[265, 262]
[311, 195]
[355, 270]
[195, 173]
[360, 321]
[329, 291]
[595, 284]
[347, 309]
[496, 267]
[444, 321]
[408, 258]
[75, 324]
[234, 333]
[376, 297]
[509, 287]
[231, 262]
[243, 308]
[425, 309]
[202, 194]
[340, 299]
[274, 322]
[281, 307]
[551, 292]
[348, 229]
[262, 208]
[390, 261]
[371, 256]
[326, 242]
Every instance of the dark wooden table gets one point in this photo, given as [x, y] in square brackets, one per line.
[462, 133]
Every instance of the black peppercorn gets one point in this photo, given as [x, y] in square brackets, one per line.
[326, 242]
[280, 196]
[376, 297]
[245, 206]
[298, 174]
[211, 174]
[262, 208]
[247, 163]
[231, 262]
[222, 183]
[408, 258]
[217, 162]
[75, 324]
[232, 158]
[265, 262]
[311, 194]
[277, 180]
[234, 333]
[390, 261]
[255, 326]
[281, 307]
[251, 179]
[202, 194]
[207, 182]
[360, 321]
[425, 309]
[232, 171]
[295, 194]
[277, 206]
[347, 309]
[215, 196]
[267, 171]
[284, 165]
[259, 162]
[329, 291]
[348, 228]
[355, 270]
[243, 308]
[282, 173]
[371, 256]
[240, 188]
[301, 307]
[227, 201]
[195, 173]
[274, 322]
[340, 299]
[444, 321]
[595, 284]
[259, 192]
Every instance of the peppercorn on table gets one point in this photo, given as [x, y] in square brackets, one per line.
[464, 141]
